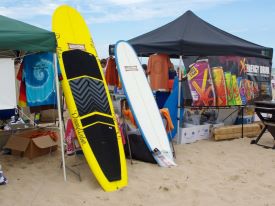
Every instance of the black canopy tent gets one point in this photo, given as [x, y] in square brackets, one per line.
[189, 35]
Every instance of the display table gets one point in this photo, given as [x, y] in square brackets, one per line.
[265, 107]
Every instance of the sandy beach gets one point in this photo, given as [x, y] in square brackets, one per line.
[208, 173]
[208, 62]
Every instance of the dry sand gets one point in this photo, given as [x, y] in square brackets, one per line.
[208, 173]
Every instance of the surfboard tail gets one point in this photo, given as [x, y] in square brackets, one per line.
[163, 158]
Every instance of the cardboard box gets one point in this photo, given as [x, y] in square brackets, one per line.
[49, 115]
[31, 148]
[191, 133]
[203, 131]
[20, 126]
[4, 137]
[188, 135]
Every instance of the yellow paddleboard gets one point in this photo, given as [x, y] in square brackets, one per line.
[88, 99]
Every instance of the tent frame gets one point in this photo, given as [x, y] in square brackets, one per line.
[179, 99]
[19, 36]
[61, 132]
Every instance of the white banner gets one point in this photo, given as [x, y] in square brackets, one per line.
[7, 84]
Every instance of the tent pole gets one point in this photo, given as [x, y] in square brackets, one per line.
[179, 95]
[61, 133]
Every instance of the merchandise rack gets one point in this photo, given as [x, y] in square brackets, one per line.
[236, 107]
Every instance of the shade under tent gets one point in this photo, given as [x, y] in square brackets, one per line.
[17, 38]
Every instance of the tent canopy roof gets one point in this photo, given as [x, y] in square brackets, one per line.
[17, 35]
[189, 35]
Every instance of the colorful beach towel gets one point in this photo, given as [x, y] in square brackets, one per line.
[38, 74]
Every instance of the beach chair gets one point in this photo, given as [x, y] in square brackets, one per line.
[266, 112]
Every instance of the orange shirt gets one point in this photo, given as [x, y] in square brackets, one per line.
[111, 74]
[158, 67]
[128, 114]
[166, 115]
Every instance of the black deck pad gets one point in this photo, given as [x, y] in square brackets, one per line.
[78, 63]
[96, 118]
[89, 96]
[103, 141]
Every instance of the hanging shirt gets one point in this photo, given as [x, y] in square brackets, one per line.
[111, 74]
[22, 88]
[158, 66]
[38, 74]
[165, 113]
[128, 115]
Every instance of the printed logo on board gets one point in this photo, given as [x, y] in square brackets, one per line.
[77, 46]
[78, 128]
[130, 68]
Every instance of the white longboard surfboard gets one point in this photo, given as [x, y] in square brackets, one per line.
[143, 104]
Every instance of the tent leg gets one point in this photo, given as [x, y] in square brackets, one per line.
[179, 95]
[172, 144]
[129, 146]
[61, 133]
